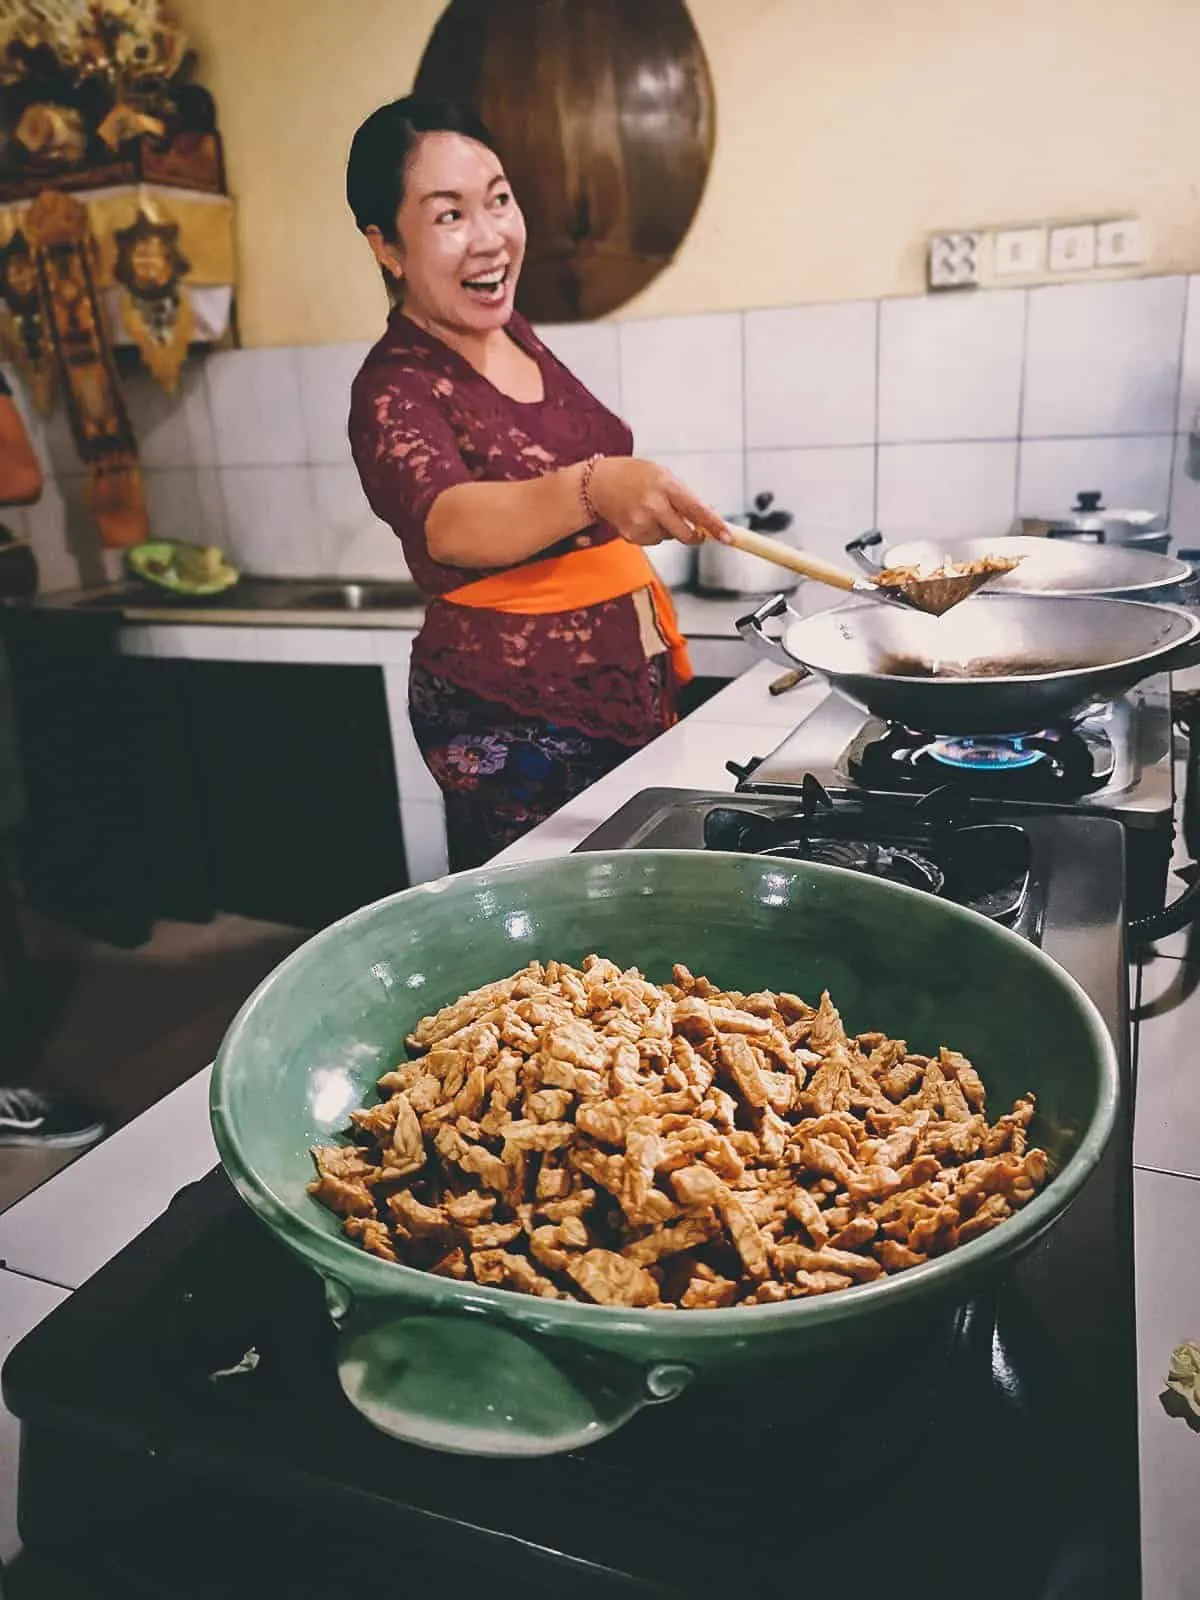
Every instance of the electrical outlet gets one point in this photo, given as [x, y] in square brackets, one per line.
[1019, 251]
[1119, 244]
[1073, 249]
[954, 260]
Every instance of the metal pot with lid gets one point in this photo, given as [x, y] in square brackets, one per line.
[722, 570]
[1091, 521]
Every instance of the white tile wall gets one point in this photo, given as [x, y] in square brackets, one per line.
[46, 523]
[352, 541]
[950, 367]
[944, 491]
[254, 396]
[936, 414]
[185, 503]
[591, 351]
[810, 375]
[681, 382]
[1189, 385]
[718, 477]
[1131, 471]
[271, 520]
[94, 564]
[1185, 498]
[830, 493]
[1104, 358]
[326, 373]
[172, 431]
[56, 446]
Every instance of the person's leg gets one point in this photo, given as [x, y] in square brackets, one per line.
[500, 774]
[29, 1116]
[451, 727]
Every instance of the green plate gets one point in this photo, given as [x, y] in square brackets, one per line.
[485, 1371]
[154, 562]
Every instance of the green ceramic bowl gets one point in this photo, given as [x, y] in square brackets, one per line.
[489, 1372]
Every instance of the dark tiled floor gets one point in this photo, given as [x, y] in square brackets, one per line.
[124, 1027]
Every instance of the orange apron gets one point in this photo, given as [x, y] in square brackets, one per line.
[578, 579]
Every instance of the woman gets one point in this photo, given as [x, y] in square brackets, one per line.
[549, 650]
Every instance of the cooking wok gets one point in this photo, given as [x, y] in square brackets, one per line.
[996, 664]
[1048, 566]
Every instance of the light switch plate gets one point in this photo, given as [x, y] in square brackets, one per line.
[1120, 244]
[1073, 249]
[1019, 251]
[954, 260]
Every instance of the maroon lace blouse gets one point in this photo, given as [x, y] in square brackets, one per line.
[421, 420]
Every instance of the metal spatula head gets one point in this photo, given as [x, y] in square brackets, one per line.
[937, 592]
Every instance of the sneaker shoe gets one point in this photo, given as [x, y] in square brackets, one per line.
[32, 1117]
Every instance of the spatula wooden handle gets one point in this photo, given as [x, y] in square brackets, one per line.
[758, 544]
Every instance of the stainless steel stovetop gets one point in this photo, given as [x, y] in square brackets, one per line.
[1115, 760]
[1072, 903]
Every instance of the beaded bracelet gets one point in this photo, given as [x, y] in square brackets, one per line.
[585, 489]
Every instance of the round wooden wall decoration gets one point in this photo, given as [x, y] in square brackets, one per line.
[603, 111]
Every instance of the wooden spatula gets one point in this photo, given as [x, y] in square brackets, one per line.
[903, 586]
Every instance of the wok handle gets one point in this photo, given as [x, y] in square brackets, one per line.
[857, 551]
[753, 630]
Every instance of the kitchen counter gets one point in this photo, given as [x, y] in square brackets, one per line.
[55, 1238]
[332, 603]
[301, 622]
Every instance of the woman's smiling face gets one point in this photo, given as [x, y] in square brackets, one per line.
[460, 237]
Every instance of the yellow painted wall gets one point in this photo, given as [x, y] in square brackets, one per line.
[848, 130]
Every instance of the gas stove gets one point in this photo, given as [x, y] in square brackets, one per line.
[1116, 760]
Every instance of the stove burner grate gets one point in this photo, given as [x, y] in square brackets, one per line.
[867, 856]
[988, 754]
[1055, 763]
[930, 846]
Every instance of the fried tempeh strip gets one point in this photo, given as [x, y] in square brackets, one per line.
[744, 1066]
[343, 1196]
[501, 1268]
[685, 1234]
[794, 1257]
[552, 1243]
[472, 1158]
[699, 1186]
[372, 1235]
[805, 1210]
[611, 1280]
[708, 1294]
[571, 1121]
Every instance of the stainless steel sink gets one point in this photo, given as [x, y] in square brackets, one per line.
[363, 597]
[259, 594]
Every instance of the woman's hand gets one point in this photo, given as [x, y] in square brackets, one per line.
[646, 504]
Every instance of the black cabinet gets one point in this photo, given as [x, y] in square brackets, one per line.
[298, 790]
[83, 847]
[166, 788]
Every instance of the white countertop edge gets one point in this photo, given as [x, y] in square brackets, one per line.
[700, 616]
